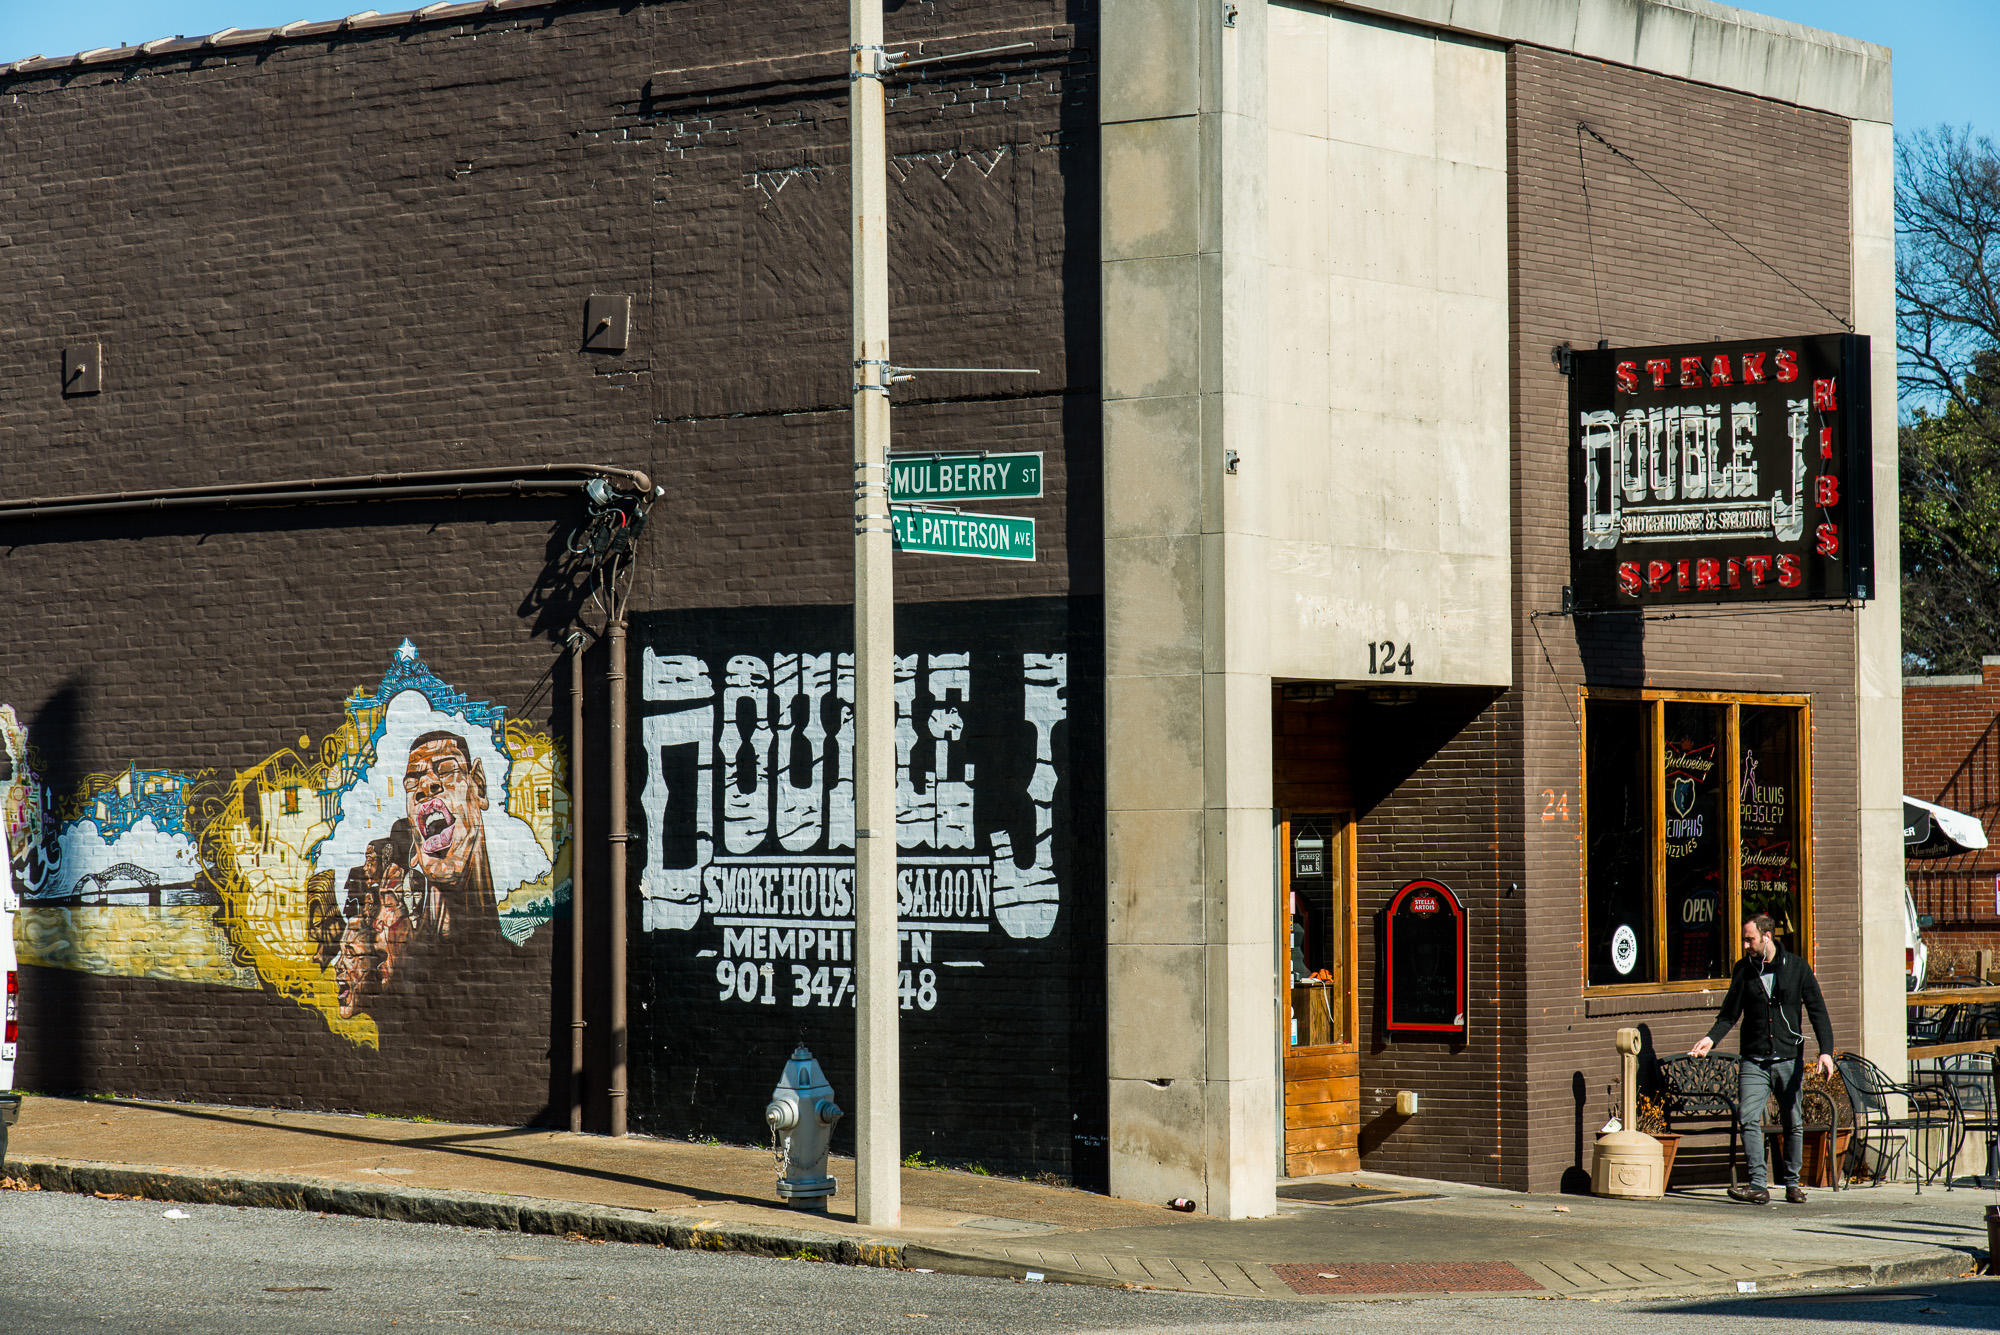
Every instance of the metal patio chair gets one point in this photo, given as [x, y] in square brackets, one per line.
[1929, 1109]
[1969, 1076]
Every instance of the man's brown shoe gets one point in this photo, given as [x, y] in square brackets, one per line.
[1795, 1195]
[1751, 1195]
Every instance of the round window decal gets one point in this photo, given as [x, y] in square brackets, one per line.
[1624, 949]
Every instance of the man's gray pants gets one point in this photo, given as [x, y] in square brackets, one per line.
[1761, 1081]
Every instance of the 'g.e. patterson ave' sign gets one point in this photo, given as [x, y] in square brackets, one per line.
[952, 533]
[1721, 472]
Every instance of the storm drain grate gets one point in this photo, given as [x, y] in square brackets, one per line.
[1406, 1277]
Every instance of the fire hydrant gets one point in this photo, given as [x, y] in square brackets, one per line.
[803, 1113]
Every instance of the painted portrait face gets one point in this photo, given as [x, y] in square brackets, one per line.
[392, 930]
[444, 790]
[357, 970]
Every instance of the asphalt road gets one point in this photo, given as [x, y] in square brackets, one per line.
[78, 1264]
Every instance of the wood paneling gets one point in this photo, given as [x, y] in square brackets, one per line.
[1322, 1064]
[1330, 1161]
[1320, 1139]
[1303, 1116]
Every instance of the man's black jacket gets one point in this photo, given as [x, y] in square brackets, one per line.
[1771, 1024]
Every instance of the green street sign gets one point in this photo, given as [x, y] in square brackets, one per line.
[965, 477]
[943, 533]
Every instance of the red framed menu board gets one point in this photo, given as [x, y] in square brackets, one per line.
[1423, 961]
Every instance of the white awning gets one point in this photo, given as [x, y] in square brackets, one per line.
[1966, 832]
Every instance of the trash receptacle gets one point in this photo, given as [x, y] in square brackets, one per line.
[10, 1109]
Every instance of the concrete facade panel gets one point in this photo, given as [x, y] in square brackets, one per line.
[1151, 170]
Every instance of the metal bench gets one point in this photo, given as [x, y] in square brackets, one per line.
[1700, 1091]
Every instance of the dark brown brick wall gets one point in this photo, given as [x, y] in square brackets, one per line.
[1485, 794]
[1776, 178]
[1424, 779]
[371, 252]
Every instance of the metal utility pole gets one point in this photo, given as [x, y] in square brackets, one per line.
[878, 1132]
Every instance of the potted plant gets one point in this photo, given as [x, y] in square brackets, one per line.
[1653, 1121]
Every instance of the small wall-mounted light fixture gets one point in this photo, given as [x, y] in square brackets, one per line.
[1230, 459]
[607, 323]
[1562, 354]
[1229, 16]
[1406, 1103]
[82, 371]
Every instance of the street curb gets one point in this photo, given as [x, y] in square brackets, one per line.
[1924, 1268]
[522, 1214]
[512, 1214]
[918, 1256]
[463, 1209]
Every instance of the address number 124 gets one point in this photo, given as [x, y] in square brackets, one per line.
[1383, 659]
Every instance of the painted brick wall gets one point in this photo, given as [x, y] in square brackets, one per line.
[370, 252]
[1002, 890]
[1640, 269]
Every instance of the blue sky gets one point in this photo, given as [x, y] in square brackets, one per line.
[1944, 48]
[1944, 52]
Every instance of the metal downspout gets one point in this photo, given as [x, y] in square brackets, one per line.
[615, 836]
[576, 1022]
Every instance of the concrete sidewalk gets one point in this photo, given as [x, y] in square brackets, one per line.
[1345, 1236]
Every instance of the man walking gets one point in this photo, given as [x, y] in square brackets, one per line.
[1767, 989]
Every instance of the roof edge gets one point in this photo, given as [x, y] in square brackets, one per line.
[1696, 40]
[364, 21]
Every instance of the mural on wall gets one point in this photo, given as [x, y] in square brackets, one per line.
[112, 879]
[348, 875]
[773, 841]
[742, 775]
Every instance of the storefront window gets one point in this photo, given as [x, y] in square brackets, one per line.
[1769, 808]
[1616, 806]
[1694, 772]
[1320, 930]
[1694, 819]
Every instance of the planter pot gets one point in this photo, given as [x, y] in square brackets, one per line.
[1817, 1167]
[1670, 1142]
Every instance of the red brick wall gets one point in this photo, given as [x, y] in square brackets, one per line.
[1951, 756]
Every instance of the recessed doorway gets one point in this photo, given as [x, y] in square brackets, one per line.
[1319, 1017]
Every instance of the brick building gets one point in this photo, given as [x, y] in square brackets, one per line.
[1293, 679]
[1949, 758]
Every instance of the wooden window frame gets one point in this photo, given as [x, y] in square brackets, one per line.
[1656, 862]
[1350, 865]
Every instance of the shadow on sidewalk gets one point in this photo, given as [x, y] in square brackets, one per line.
[454, 1143]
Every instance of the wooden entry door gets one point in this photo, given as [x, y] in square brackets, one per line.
[1321, 1052]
